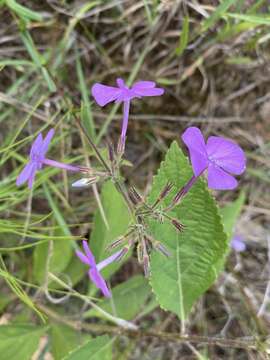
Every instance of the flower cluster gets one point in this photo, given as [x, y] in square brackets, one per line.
[218, 158]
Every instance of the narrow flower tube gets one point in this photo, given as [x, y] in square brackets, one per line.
[104, 94]
[60, 165]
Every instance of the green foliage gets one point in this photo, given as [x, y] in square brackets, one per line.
[197, 254]
[183, 41]
[218, 13]
[61, 251]
[23, 11]
[64, 340]
[99, 348]
[118, 219]
[19, 341]
[127, 299]
[230, 214]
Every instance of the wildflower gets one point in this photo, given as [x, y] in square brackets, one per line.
[37, 159]
[221, 158]
[238, 244]
[104, 94]
[94, 269]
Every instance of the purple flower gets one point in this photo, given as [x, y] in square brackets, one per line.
[37, 159]
[94, 269]
[104, 94]
[238, 244]
[221, 157]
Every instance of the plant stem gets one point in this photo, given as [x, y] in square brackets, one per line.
[251, 344]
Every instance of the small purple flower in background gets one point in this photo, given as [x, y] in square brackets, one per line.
[221, 157]
[94, 271]
[104, 94]
[238, 244]
[37, 159]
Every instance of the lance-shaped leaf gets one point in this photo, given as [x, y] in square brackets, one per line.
[197, 253]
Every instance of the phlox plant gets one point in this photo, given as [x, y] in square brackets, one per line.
[177, 229]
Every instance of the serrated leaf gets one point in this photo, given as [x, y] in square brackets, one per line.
[99, 348]
[127, 299]
[64, 340]
[230, 214]
[19, 340]
[198, 252]
[118, 219]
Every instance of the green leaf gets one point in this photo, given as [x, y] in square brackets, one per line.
[230, 214]
[256, 19]
[198, 253]
[23, 11]
[64, 340]
[127, 299]
[183, 38]
[61, 251]
[19, 340]
[118, 219]
[217, 14]
[99, 348]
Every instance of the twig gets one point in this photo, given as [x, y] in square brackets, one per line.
[247, 344]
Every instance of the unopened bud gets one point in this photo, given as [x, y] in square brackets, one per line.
[162, 249]
[146, 265]
[122, 253]
[135, 197]
[85, 182]
[140, 253]
[180, 227]
[116, 243]
[164, 192]
[111, 152]
[167, 188]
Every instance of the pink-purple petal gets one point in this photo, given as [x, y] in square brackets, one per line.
[147, 91]
[219, 179]
[46, 142]
[37, 144]
[104, 94]
[195, 143]
[226, 154]
[32, 176]
[238, 244]
[100, 283]
[143, 85]
[89, 254]
[109, 260]
[25, 173]
[82, 257]
[120, 83]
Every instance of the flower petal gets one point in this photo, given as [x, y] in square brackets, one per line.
[104, 94]
[143, 85]
[109, 260]
[89, 254]
[47, 140]
[147, 91]
[218, 179]
[37, 144]
[226, 154]
[100, 283]
[238, 244]
[32, 176]
[195, 143]
[82, 257]
[25, 173]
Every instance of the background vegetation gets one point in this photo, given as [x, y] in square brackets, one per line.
[212, 58]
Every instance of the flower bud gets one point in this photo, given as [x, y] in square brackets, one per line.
[180, 227]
